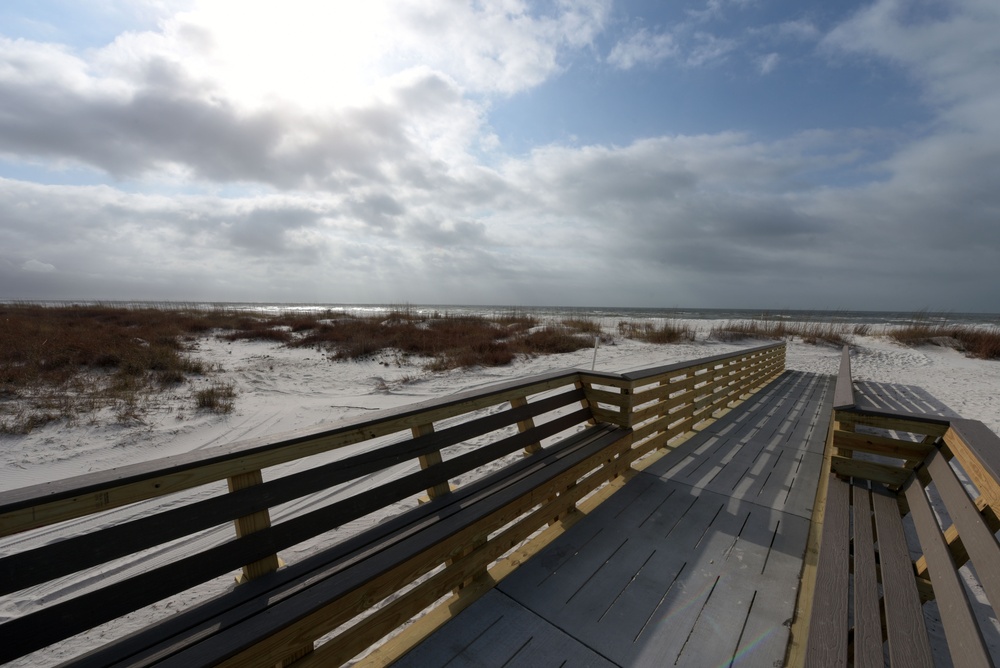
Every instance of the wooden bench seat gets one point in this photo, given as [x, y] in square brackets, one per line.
[871, 582]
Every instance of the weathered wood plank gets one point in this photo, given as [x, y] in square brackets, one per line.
[977, 539]
[889, 475]
[881, 445]
[382, 560]
[960, 627]
[247, 524]
[978, 450]
[867, 619]
[843, 394]
[827, 645]
[907, 634]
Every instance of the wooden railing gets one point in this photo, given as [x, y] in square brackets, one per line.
[665, 402]
[424, 447]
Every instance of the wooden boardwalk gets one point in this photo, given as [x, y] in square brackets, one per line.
[695, 562]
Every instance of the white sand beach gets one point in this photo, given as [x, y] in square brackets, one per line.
[280, 389]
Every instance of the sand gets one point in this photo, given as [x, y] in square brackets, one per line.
[282, 389]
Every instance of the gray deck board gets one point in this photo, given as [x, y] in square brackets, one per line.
[694, 562]
[503, 633]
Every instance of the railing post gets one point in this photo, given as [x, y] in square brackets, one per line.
[252, 523]
[430, 459]
[525, 425]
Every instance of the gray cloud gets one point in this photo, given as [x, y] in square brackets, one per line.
[172, 121]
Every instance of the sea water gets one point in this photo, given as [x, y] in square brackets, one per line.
[602, 313]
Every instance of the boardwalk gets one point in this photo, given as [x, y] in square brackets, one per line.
[695, 562]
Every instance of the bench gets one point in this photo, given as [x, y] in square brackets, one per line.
[525, 455]
[910, 499]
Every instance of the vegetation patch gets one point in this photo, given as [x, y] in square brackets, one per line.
[217, 398]
[978, 342]
[669, 331]
[776, 330]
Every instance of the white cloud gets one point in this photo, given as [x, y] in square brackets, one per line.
[709, 49]
[953, 57]
[768, 62]
[321, 54]
[643, 48]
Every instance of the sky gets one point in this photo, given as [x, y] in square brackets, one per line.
[716, 153]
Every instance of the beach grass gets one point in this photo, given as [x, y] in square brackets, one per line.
[983, 343]
[669, 331]
[776, 330]
[66, 362]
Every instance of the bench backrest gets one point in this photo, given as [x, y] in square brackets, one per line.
[889, 469]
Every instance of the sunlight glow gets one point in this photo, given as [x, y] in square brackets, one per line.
[304, 52]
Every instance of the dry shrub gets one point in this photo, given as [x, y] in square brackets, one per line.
[582, 325]
[776, 330]
[669, 331]
[553, 340]
[983, 343]
[217, 398]
[58, 361]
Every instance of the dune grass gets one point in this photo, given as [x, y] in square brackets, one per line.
[669, 331]
[810, 332]
[983, 343]
[61, 363]
[448, 342]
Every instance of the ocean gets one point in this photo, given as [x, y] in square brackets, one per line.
[603, 313]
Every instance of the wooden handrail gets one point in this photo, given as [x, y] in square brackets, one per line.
[843, 393]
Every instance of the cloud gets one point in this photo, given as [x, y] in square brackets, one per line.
[383, 194]
[37, 267]
[800, 29]
[952, 56]
[51, 109]
[642, 48]
[768, 62]
[679, 44]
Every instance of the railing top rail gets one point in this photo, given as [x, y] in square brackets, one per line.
[982, 443]
[644, 374]
[843, 393]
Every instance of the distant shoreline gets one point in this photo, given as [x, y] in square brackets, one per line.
[895, 317]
